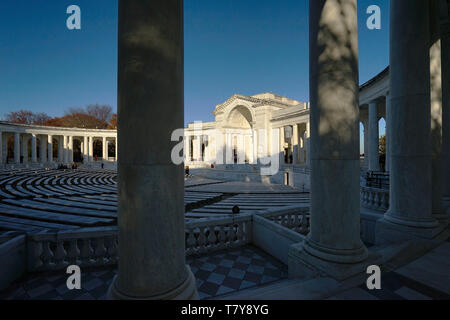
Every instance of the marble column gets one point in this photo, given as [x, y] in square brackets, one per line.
[295, 142]
[374, 138]
[445, 58]
[85, 150]
[16, 147]
[198, 141]
[105, 149]
[255, 146]
[43, 150]
[66, 151]
[50, 149]
[308, 140]
[388, 133]
[410, 179]
[60, 149]
[366, 143]
[70, 146]
[116, 149]
[91, 149]
[334, 244]
[33, 149]
[152, 259]
[241, 148]
[229, 149]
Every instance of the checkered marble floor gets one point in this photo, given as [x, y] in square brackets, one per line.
[217, 273]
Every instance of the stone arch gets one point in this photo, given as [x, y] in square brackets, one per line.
[240, 117]
[97, 148]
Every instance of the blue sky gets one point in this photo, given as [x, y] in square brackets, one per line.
[231, 46]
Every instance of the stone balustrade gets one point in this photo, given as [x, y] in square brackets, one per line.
[295, 218]
[374, 198]
[207, 235]
[82, 247]
[99, 246]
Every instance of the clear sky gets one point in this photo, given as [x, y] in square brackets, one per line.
[231, 46]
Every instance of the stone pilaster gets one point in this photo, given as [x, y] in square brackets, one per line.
[151, 188]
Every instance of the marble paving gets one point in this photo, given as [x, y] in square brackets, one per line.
[217, 274]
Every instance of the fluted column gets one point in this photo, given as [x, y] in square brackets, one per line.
[16, 147]
[50, 149]
[445, 59]
[410, 180]
[374, 147]
[33, 149]
[295, 142]
[152, 261]
[334, 243]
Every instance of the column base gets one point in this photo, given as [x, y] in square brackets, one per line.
[302, 264]
[335, 255]
[186, 291]
[392, 230]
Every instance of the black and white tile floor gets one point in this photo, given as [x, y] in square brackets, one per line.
[217, 273]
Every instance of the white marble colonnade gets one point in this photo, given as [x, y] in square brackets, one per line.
[30, 144]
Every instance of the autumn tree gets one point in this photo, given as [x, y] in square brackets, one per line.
[113, 122]
[27, 117]
[382, 145]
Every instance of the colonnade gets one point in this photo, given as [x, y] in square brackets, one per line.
[27, 150]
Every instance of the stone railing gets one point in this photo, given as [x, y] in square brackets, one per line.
[295, 218]
[374, 198]
[82, 247]
[207, 235]
[98, 246]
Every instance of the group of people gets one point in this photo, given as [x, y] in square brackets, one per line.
[61, 166]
